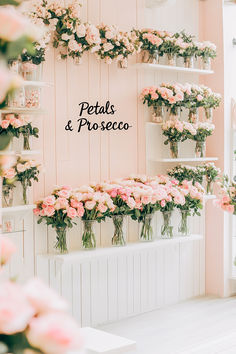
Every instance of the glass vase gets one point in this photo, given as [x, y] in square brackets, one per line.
[17, 98]
[14, 66]
[25, 192]
[26, 142]
[193, 115]
[119, 236]
[200, 149]
[123, 63]
[171, 59]
[174, 113]
[7, 195]
[32, 97]
[189, 62]
[208, 114]
[183, 228]
[166, 228]
[31, 72]
[60, 244]
[158, 114]
[145, 228]
[88, 237]
[206, 64]
[151, 58]
[174, 149]
[209, 186]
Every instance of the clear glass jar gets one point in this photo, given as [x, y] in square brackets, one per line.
[206, 63]
[123, 63]
[88, 237]
[174, 113]
[166, 228]
[7, 195]
[208, 114]
[32, 97]
[147, 57]
[158, 114]
[193, 115]
[26, 141]
[200, 149]
[209, 186]
[77, 60]
[145, 228]
[189, 62]
[31, 72]
[61, 245]
[120, 230]
[174, 149]
[25, 192]
[183, 228]
[14, 66]
[17, 98]
[171, 59]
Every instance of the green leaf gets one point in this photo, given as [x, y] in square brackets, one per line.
[9, 2]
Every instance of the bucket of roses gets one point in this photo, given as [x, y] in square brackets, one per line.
[59, 211]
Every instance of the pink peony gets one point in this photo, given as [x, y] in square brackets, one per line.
[5, 124]
[7, 249]
[42, 298]
[71, 213]
[54, 333]
[15, 310]
[49, 211]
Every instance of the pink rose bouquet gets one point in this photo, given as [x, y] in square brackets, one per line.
[211, 173]
[59, 210]
[227, 195]
[150, 43]
[8, 179]
[211, 100]
[202, 131]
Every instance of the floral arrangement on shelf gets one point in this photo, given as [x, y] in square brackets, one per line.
[211, 100]
[189, 48]
[227, 195]
[206, 51]
[211, 173]
[17, 125]
[34, 318]
[150, 43]
[8, 185]
[202, 131]
[171, 47]
[188, 173]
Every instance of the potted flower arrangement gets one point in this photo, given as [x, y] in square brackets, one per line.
[150, 43]
[97, 206]
[211, 173]
[210, 101]
[227, 195]
[206, 51]
[188, 173]
[203, 130]
[116, 45]
[8, 179]
[59, 210]
[193, 195]
[26, 172]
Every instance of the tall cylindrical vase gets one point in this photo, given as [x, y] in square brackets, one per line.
[25, 190]
[200, 149]
[167, 228]
[26, 143]
[183, 228]
[206, 63]
[208, 114]
[61, 245]
[209, 187]
[189, 62]
[193, 115]
[119, 236]
[88, 237]
[174, 149]
[146, 230]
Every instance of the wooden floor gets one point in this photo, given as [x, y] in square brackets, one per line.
[200, 326]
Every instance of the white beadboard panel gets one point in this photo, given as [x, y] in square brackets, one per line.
[106, 285]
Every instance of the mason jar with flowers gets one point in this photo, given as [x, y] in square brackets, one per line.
[170, 48]
[26, 172]
[211, 173]
[188, 49]
[193, 100]
[59, 210]
[150, 43]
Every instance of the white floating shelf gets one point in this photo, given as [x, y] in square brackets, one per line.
[37, 83]
[185, 159]
[17, 208]
[174, 68]
[22, 110]
[22, 152]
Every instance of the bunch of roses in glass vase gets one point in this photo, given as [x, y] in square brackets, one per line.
[170, 47]
[206, 51]
[211, 173]
[176, 131]
[211, 100]
[97, 206]
[227, 195]
[8, 178]
[188, 48]
[152, 96]
[150, 43]
[116, 45]
[189, 173]
[203, 130]
[59, 210]
[193, 195]
[26, 172]
[193, 99]
[173, 96]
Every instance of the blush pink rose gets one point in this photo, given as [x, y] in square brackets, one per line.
[5, 124]
[15, 310]
[7, 249]
[49, 210]
[54, 333]
[61, 203]
[74, 203]
[102, 208]
[20, 167]
[80, 210]
[163, 203]
[42, 298]
[113, 193]
[64, 193]
[9, 173]
[50, 200]
[71, 213]
[36, 211]
[90, 204]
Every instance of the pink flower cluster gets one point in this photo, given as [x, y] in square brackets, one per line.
[168, 94]
[40, 314]
[181, 126]
[14, 120]
[227, 196]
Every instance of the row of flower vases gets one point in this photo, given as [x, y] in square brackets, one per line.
[119, 237]
[174, 60]
[200, 149]
[162, 113]
[8, 195]
[28, 70]
[25, 97]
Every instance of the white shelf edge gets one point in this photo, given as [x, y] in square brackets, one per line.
[17, 208]
[184, 159]
[139, 246]
[22, 152]
[174, 68]
[37, 83]
[21, 110]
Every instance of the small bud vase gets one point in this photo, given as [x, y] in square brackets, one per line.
[149, 58]
[189, 62]
[158, 114]
[119, 236]
[183, 228]
[193, 115]
[167, 228]
[61, 245]
[209, 186]
[208, 114]
[174, 149]
[145, 228]
[88, 237]
[200, 149]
